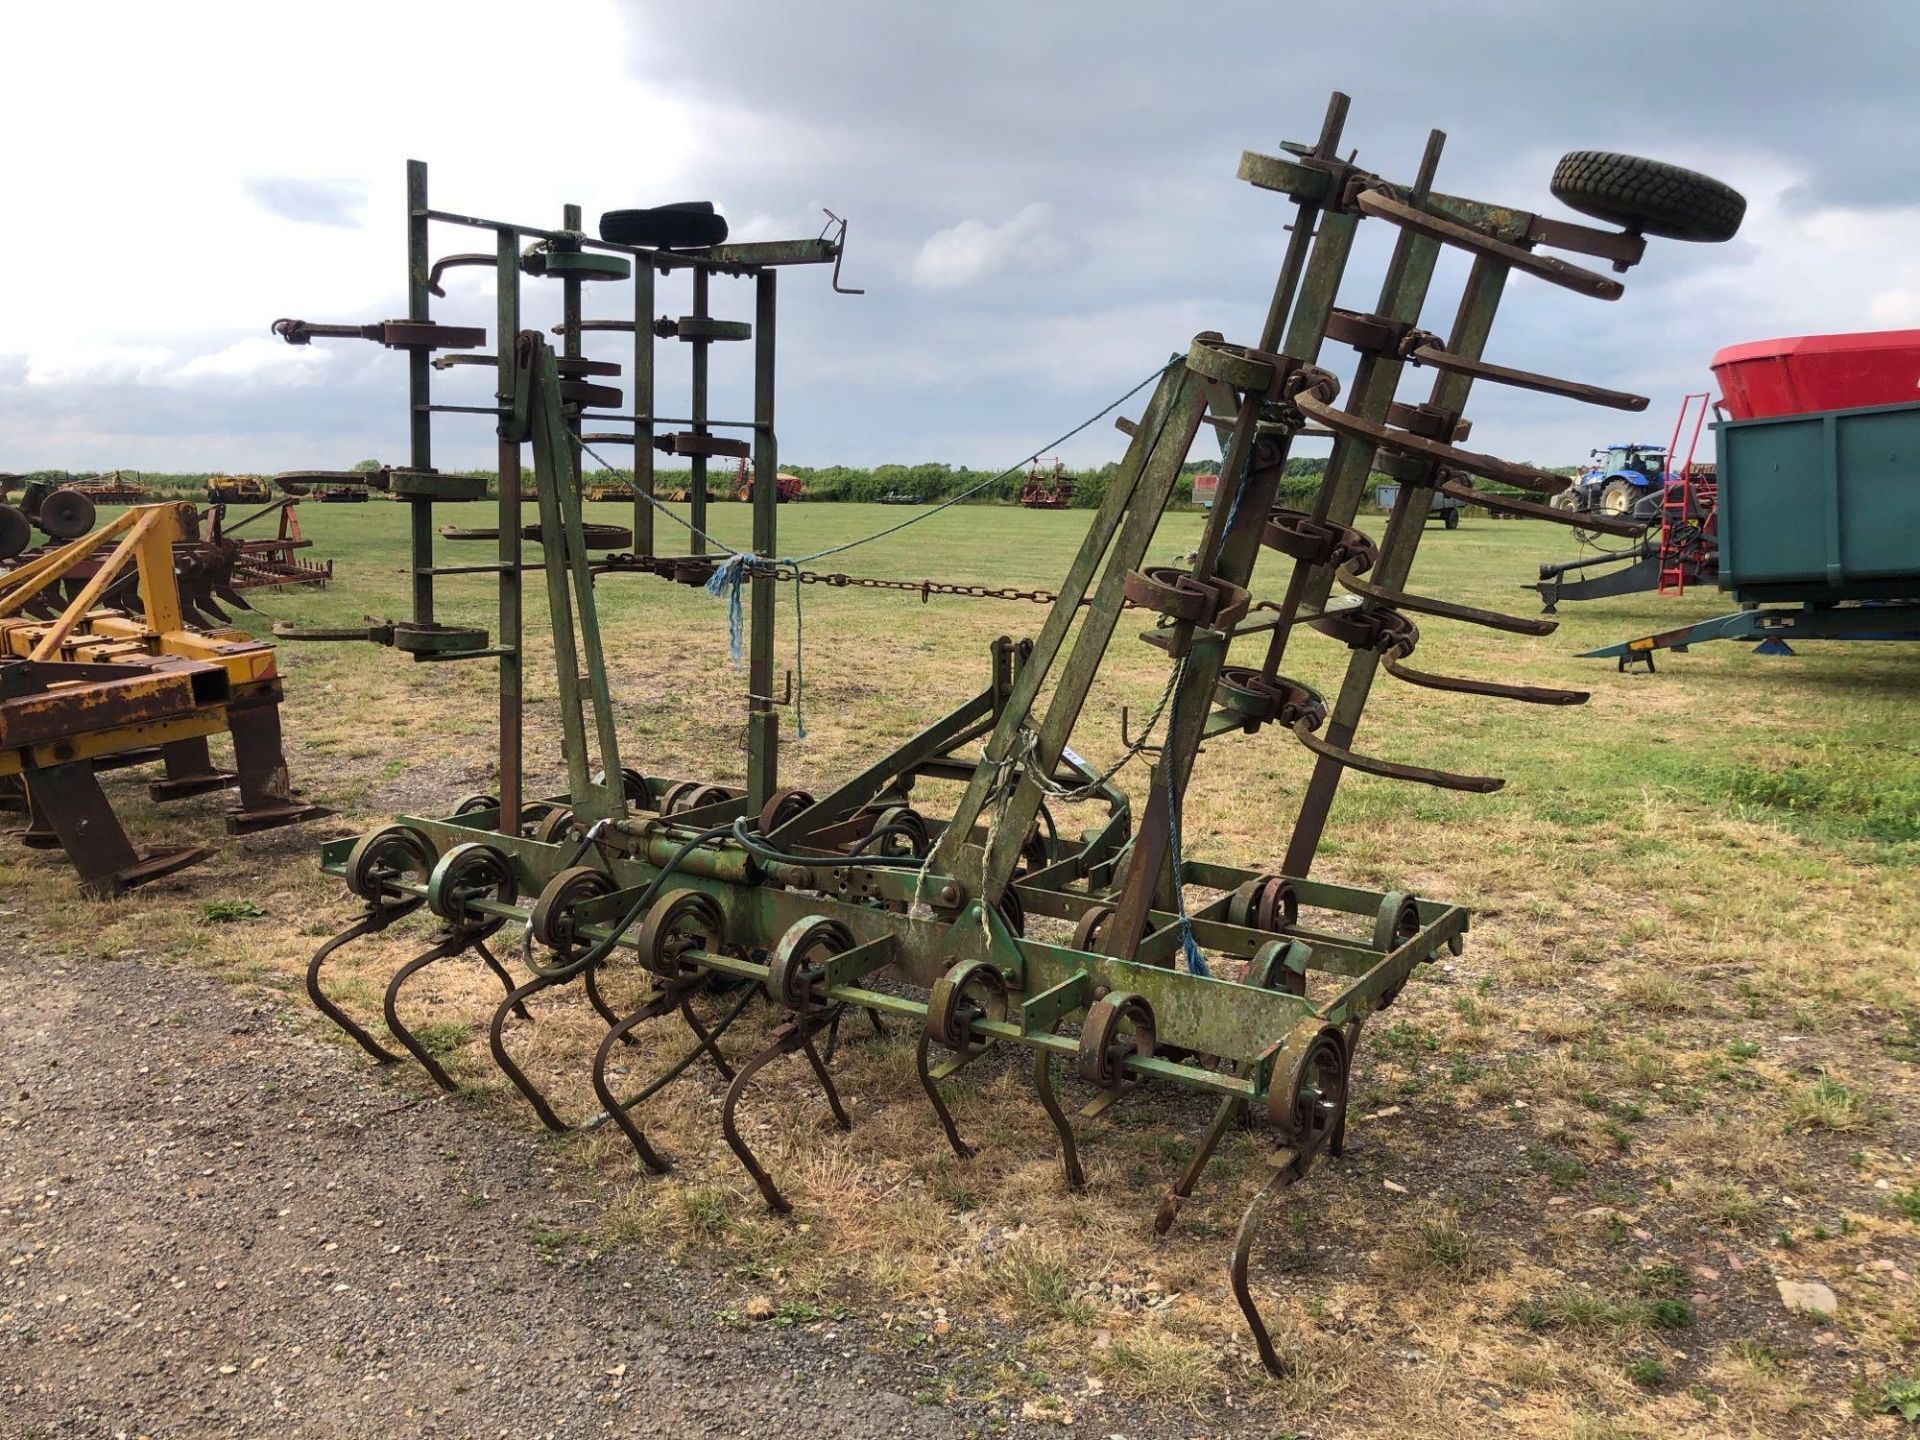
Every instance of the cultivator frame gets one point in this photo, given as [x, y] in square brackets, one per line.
[853, 899]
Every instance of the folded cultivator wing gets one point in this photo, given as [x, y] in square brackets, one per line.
[1253, 991]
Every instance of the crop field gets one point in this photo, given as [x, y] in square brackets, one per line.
[1675, 1068]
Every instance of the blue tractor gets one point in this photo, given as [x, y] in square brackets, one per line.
[1622, 480]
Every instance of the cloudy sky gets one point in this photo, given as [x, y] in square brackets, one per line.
[1042, 197]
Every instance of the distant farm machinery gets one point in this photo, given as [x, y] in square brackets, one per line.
[1245, 986]
[114, 653]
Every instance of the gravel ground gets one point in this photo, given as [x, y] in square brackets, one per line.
[215, 1225]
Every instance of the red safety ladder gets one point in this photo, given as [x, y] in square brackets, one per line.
[1678, 545]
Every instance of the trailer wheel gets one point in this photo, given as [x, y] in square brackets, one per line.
[65, 514]
[1648, 196]
[1451, 518]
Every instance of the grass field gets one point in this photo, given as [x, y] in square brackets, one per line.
[1676, 1065]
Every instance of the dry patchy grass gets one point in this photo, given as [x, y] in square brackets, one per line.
[1677, 1061]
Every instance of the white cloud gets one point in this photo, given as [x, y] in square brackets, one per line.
[973, 249]
[254, 357]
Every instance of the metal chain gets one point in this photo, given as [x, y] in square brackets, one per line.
[926, 589]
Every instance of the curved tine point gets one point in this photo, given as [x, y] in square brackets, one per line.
[1283, 1176]
[932, 1087]
[1390, 770]
[610, 1103]
[496, 1043]
[372, 923]
[1069, 1151]
[599, 1002]
[506, 979]
[1441, 359]
[1506, 504]
[1526, 694]
[1223, 1116]
[770, 1192]
[1444, 609]
[448, 945]
[840, 1116]
[1549, 268]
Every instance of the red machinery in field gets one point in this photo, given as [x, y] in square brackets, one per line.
[1047, 489]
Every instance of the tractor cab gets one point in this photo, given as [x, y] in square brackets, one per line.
[1648, 462]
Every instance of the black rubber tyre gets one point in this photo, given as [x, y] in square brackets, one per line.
[1616, 498]
[1648, 196]
[15, 533]
[65, 514]
[690, 225]
[1451, 519]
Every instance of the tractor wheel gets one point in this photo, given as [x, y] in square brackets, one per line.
[1451, 518]
[65, 514]
[15, 533]
[1647, 196]
[1616, 497]
[1567, 499]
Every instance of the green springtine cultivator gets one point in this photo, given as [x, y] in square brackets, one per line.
[854, 899]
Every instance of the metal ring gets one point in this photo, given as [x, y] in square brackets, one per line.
[796, 967]
[1102, 1057]
[555, 826]
[465, 873]
[552, 921]
[1235, 365]
[782, 806]
[385, 855]
[951, 1007]
[680, 920]
[1086, 933]
[1397, 921]
[1307, 1096]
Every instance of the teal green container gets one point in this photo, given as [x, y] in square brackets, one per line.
[1824, 506]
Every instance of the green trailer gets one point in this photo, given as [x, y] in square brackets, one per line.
[1819, 532]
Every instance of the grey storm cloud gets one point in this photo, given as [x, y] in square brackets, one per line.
[309, 202]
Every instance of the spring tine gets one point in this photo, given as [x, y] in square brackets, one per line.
[784, 1042]
[505, 979]
[1507, 505]
[1384, 437]
[496, 1042]
[1287, 1169]
[610, 1104]
[1223, 1117]
[599, 1001]
[709, 1039]
[932, 1087]
[1526, 694]
[1050, 1102]
[620, 1111]
[1391, 770]
[371, 923]
[1438, 357]
[449, 944]
[1446, 609]
[1554, 271]
[840, 1115]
